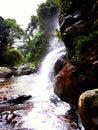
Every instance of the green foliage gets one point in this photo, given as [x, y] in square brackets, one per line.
[15, 31]
[10, 32]
[64, 5]
[58, 34]
[32, 25]
[57, 2]
[28, 57]
[4, 34]
[47, 9]
[82, 43]
[12, 57]
[36, 45]
[81, 46]
[34, 49]
[53, 4]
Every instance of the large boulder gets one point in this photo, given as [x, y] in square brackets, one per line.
[5, 72]
[88, 109]
[25, 70]
[72, 81]
[62, 86]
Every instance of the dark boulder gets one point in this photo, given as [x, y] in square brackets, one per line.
[59, 64]
[19, 99]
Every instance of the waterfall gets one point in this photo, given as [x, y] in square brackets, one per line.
[49, 111]
[47, 67]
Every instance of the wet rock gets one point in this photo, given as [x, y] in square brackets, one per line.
[59, 64]
[78, 21]
[11, 119]
[16, 102]
[88, 109]
[6, 112]
[19, 99]
[18, 113]
[25, 70]
[95, 68]
[63, 82]
[5, 72]
[84, 10]
[12, 109]
[72, 117]
[74, 114]
[72, 81]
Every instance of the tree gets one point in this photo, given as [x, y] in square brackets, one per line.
[32, 26]
[15, 32]
[45, 12]
[10, 32]
[34, 49]
[4, 34]
[37, 43]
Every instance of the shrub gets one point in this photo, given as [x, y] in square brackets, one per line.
[12, 57]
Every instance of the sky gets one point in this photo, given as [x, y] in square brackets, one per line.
[20, 10]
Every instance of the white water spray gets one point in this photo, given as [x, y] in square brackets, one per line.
[47, 106]
[47, 68]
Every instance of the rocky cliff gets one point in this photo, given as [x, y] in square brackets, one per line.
[79, 29]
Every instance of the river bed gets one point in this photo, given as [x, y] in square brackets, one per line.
[43, 111]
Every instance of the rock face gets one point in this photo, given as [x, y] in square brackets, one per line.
[76, 18]
[71, 81]
[88, 109]
[79, 29]
[59, 64]
[64, 82]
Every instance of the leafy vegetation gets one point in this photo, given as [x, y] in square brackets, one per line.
[4, 34]
[10, 32]
[12, 57]
[35, 37]
[15, 32]
[33, 49]
[32, 26]
[58, 34]
[38, 32]
[81, 44]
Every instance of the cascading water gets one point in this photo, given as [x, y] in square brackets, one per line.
[48, 112]
[47, 67]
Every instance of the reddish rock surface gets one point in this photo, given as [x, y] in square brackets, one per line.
[72, 81]
[63, 83]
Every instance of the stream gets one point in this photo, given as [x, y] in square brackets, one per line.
[44, 111]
